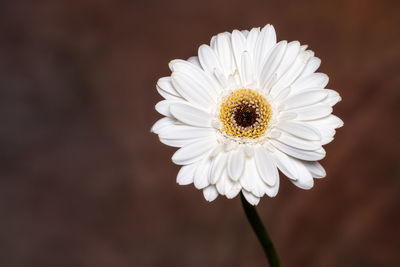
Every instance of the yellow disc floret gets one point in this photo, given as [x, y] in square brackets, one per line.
[244, 113]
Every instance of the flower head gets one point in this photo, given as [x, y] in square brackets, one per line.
[243, 108]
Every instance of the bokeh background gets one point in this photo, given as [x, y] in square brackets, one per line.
[83, 182]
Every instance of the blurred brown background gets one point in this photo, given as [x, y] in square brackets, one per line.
[83, 182]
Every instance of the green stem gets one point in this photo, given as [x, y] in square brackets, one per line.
[261, 232]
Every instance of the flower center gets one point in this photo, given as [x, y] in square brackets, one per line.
[244, 113]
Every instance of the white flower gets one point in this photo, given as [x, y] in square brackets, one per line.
[243, 108]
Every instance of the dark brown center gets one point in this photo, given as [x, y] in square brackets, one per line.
[245, 115]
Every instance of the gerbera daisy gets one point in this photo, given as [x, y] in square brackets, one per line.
[243, 108]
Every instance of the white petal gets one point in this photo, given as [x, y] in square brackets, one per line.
[167, 95]
[314, 80]
[291, 52]
[177, 142]
[185, 132]
[327, 134]
[161, 123]
[272, 191]
[332, 99]
[221, 78]
[310, 155]
[299, 143]
[210, 193]
[245, 33]
[191, 90]
[220, 185]
[162, 107]
[312, 65]
[292, 73]
[251, 180]
[272, 63]
[266, 166]
[304, 179]
[230, 146]
[287, 116]
[238, 46]
[227, 187]
[236, 162]
[223, 48]
[232, 188]
[280, 96]
[326, 126]
[252, 199]
[247, 70]
[285, 164]
[194, 60]
[315, 168]
[301, 130]
[290, 167]
[193, 152]
[275, 133]
[218, 167]
[252, 39]
[306, 182]
[165, 85]
[216, 150]
[196, 73]
[249, 151]
[327, 139]
[201, 175]
[186, 174]
[312, 112]
[295, 170]
[331, 122]
[303, 99]
[208, 59]
[191, 115]
[265, 42]
[213, 41]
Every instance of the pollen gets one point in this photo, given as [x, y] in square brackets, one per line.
[244, 113]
